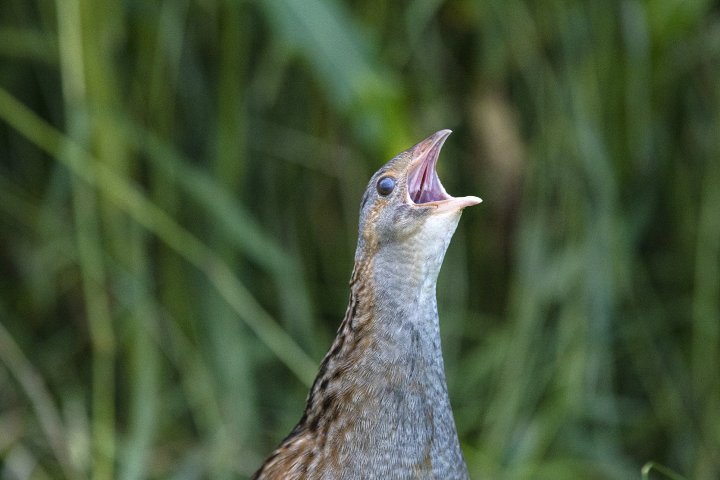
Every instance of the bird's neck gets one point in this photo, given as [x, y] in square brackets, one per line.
[393, 311]
[380, 402]
[385, 373]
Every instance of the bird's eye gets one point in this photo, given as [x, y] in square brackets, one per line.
[385, 186]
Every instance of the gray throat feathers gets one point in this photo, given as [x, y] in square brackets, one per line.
[381, 390]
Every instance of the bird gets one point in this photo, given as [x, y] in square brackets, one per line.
[379, 407]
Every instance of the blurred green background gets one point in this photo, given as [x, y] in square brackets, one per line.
[179, 187]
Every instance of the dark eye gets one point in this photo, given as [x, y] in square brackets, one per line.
[385, 186]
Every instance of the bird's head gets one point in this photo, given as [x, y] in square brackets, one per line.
[406, 216]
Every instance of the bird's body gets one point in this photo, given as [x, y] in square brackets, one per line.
[379, 407]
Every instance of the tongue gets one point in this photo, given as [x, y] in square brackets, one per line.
[423, 193]
[423, 183]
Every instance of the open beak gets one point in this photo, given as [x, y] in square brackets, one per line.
[423, 184]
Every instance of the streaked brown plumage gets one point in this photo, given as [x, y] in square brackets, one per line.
[379, 406]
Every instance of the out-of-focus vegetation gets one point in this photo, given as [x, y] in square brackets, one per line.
[179, 185]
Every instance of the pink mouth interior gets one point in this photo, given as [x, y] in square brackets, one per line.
[423, 182]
